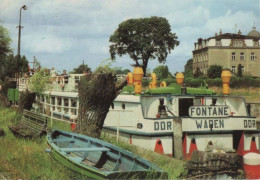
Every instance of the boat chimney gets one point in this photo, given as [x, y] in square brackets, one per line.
[226, 76]
[179, 78]
[152, 84]
[183, 89]
[130, 79]
[138, 75]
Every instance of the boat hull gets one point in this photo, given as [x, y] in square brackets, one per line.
[93, 172]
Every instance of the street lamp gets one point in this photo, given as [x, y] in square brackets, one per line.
[24, 7]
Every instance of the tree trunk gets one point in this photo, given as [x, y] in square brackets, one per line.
[96, 94]
[177, 138]
[145, 62]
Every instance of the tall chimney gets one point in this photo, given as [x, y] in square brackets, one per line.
[220, 32]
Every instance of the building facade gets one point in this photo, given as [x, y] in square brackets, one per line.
[229, 50]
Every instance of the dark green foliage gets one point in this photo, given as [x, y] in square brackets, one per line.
[169, 81]
[197, 73]
[214, 71]
[188, 68]
[143, 39]
[120, 70]
[10, 65]
[236, 82]
[239, 70]
[214, 82]
[244, 82]
[81, 69]
[26, 99]
[5, 42]
[162, 72]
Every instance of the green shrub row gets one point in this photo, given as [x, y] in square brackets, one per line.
[236, 82]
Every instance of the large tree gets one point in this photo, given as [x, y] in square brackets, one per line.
[188, 68]
[81, 69]
[5, 41]
[10, 64]
[239, 70]
[143, 39]
[215, 71]
[97, 92]
[162, 72]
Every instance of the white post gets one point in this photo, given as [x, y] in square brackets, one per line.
[69, 107]
[51, 118]
[62, 109]
[117, 129]
[56, 103]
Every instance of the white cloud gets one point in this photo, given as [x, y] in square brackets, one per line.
[70, 31]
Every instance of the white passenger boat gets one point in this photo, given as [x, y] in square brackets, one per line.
[161, 119]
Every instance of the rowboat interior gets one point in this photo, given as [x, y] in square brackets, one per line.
[94, 154]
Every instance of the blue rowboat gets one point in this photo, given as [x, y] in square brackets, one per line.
[98, 159]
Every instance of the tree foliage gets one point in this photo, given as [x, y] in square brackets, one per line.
[5, 42]
[143, 39]
[162, 72]
[38, 82]
[97, 92]
[120, 70]
[197, 73]
[239, 70]
[81, 69]
[188, 68]
[214, 71]
[10, 65]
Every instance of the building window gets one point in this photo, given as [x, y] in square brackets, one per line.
[233, 56]
[255, 43]
[238, 43]
[218, 43]
[243, 68]
[252, 56]
[242, 56]
[233, 69]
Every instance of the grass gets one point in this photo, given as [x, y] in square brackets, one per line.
[27, 159]
[174, 167]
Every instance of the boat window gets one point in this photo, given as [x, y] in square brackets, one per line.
[59, 101]
[53, 103]
[184, 105]
[53, 100]
[123, 105]
[73, 103]
[66, 102]
[48, 99]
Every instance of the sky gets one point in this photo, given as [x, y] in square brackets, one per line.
[63, 33]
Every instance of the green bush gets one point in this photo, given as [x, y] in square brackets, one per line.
[214, 82]
[168, 81]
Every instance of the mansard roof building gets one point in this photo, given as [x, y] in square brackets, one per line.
[229, 50]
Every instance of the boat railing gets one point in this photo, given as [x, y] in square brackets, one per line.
[50, 110]
[68, 83]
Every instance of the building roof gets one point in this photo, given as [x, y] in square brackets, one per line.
[231, 36]
[254, 33]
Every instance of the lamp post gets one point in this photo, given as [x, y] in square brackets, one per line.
[24, 7]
